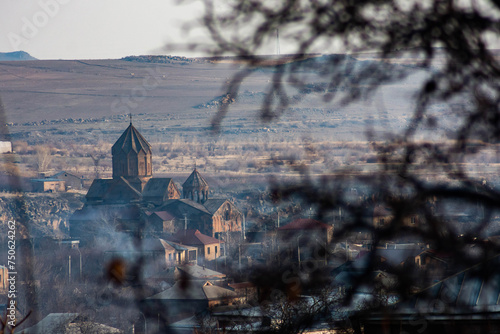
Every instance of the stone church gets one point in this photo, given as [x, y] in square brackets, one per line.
[135, 202]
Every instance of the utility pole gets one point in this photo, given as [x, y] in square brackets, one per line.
[326, 250]
[225, 246]
[185, 224]
[244, 227]
[298, 248]
[80, 253]
[239, 257]
[346, 251]
[278, 42]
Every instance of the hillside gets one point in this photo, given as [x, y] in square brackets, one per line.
[15, 56]
[50, 100]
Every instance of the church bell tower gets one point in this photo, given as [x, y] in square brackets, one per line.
[132, 158]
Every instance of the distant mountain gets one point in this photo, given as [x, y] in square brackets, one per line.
[17, 55]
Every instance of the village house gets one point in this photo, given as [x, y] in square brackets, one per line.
[5, 146]
[192, 271]
[209, 248]
[48, 185]
[466, 302]
[71, 181]
[436, 264]
[157, 255]
[187, 298]
[161, 221]
[305, 239]
[383, 216]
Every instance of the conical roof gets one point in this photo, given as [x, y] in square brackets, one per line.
[195, 180]
[131, 140]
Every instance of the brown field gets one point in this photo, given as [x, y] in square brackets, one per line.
[78, 108]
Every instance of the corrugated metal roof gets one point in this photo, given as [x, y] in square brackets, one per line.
[131, 140]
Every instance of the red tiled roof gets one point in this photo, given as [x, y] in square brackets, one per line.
[194, 237]
[305, 224]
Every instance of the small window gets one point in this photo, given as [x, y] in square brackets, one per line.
[215, 249]
[170, 257]
[208, 250]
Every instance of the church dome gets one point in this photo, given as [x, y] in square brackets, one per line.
[196, 187]
[195, 180]
[131, 140]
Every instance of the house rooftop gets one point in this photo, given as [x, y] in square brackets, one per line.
[195, 271]
[305, 224]
[193, 237]
[195, 290]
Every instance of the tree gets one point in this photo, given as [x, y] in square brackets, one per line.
[423, 168]
[43, 158]
[99, 152]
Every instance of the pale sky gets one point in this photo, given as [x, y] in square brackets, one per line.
[100, 29]
[90, 29]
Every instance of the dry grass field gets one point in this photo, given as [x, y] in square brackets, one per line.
[78, 108]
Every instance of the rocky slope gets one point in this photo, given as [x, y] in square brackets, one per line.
[47, 214]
